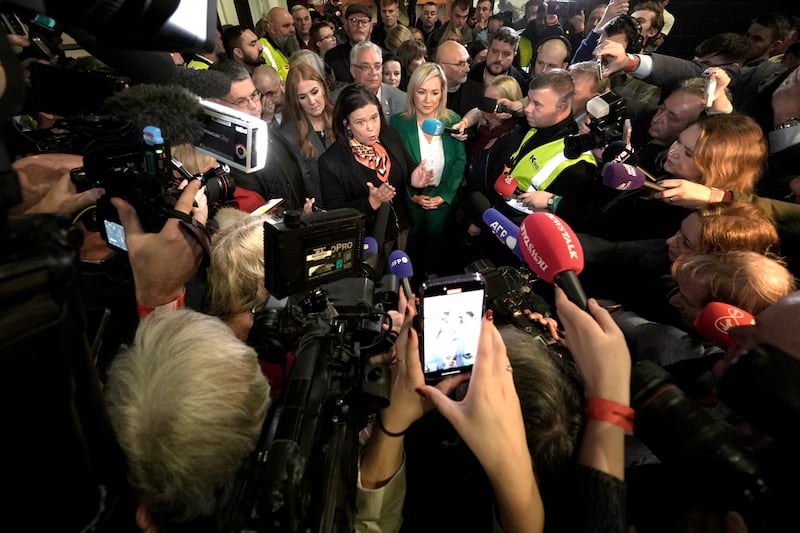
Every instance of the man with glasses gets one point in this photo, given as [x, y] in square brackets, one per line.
[270, 85]
[286, 174]
[358, 27]
[366, 66]
[462, 94]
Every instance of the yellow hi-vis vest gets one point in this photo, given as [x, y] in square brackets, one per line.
[537, 169]
[275, 58]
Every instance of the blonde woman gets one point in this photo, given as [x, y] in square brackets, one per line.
[444, 155]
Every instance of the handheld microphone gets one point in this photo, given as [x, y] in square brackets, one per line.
[619, 152]
[716, 318]
[505, 230]
[400, 266]
[624, 177]
[434, 127]
[505, 185]
[370, 245]
[552, 251]
[490, 105]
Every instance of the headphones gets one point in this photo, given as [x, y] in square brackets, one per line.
[632, 29]
[553, 38]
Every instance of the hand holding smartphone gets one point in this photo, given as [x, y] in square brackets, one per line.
[451, 311]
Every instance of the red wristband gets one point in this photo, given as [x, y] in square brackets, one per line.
[631, 63]
[611, 412]
[178, 303]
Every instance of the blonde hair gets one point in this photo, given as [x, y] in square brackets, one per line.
[748, 280]
[507, 86]
[193, 159]
[397, 36]
[236, 273]
[424, 73]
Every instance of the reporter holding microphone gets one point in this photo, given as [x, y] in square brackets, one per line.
[444, 155]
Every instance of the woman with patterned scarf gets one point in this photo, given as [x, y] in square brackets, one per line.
[368, 168]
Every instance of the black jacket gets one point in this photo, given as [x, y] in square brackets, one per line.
[343, 179]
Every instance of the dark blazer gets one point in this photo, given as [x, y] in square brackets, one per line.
[466, 98]
[342, 177]
[477, 71]
[289, 131]
[338, 58]
[454, 156]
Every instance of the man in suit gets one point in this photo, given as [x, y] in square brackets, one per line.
[366, 65]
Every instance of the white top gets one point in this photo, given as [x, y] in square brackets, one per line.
[433, 154]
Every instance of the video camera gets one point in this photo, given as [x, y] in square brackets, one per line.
[712, 465]
[607, 113]
[303, 474]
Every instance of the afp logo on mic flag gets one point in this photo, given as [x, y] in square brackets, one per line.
[399, 260]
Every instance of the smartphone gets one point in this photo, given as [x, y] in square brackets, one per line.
[450, 324]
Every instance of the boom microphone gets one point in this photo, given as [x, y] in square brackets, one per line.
[505, 185]
[434, 127]
[552, 251]
[173, 109]
[204, 83]
[400, 266]
[505, 230]
[625, 177]
[716, 318]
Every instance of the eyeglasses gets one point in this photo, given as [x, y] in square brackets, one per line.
[460, 64]
[331, 36]
[360, 22]
[244, 100]
[377, 67]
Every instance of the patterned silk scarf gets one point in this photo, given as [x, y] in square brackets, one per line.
[375, 157]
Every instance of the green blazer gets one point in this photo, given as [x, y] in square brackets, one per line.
[455, 158]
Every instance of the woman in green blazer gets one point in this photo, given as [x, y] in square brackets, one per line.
[431, 206]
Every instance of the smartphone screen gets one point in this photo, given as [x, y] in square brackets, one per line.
[452, 309]
[115, 235]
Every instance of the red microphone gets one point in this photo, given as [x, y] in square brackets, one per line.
[716, 318]
[505, 185]
[552, 251]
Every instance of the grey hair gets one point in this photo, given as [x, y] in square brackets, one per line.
[361, 46]
[187, 400]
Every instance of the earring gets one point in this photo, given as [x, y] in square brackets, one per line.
[349, 133]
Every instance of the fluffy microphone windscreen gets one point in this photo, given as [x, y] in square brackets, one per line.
[173, 109]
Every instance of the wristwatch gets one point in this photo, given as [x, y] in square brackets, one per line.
[550, 202]
[790, 123]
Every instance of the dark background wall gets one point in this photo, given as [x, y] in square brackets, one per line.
[696, 20]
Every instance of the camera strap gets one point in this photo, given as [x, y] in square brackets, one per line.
[196, 229]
